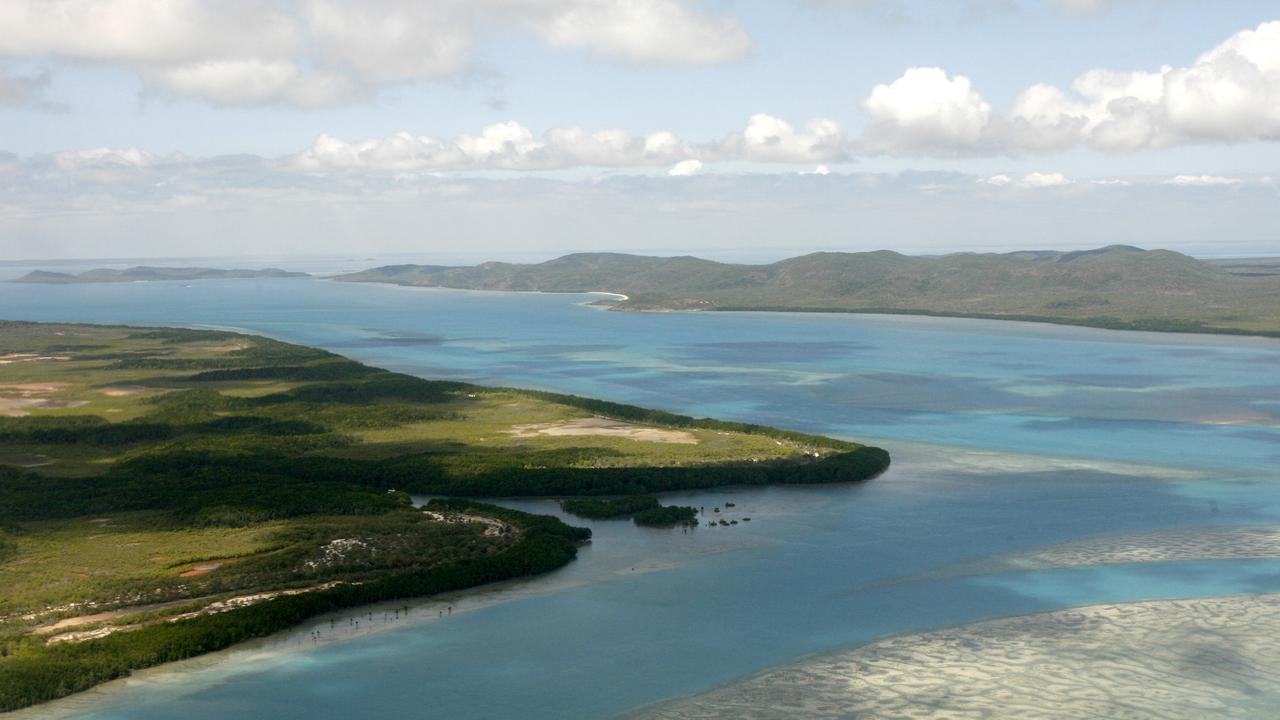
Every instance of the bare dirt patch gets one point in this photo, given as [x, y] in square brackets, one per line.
[224, 348]
[202, 568]
[17, 407]
[29, 357]
[606, 428]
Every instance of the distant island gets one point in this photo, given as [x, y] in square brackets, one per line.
[1118, 286]
[167, 492]
[144, 273]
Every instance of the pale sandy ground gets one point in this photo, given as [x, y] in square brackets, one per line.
[1158, 660]
[604, 427]
[15, 398]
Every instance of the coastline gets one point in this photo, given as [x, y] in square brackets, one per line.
[1166, 327]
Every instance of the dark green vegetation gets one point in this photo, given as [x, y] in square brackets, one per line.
[32, 672]
[169, 492]
[1117, 287]
[609, 508]
[145, 273]
[667, 516]
[643, 509]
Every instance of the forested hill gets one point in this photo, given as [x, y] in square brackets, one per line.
[145, 273]
[1116, 286]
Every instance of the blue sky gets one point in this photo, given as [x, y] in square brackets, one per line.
[157, 109]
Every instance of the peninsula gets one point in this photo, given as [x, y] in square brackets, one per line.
[169, 492]
[1119, 286]
[144, 273]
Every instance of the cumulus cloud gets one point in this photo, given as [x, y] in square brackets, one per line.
[324, 52]
[770, 139]
[685, 168]
[1043, 180]
[925, 111]
[1229, 94]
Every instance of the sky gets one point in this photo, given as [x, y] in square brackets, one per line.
[723, 128]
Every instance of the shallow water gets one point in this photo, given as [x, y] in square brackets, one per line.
[1005, 437]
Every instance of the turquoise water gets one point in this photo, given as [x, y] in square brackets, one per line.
[1005, 436]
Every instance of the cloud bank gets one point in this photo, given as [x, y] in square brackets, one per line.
[126, 202]
[314, 53]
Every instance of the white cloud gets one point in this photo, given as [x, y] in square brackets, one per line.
[321, 52]
[685, 168]
[1229, 94]
[1031, 181]
[770, 139]
[925, 112]
[507, 146]
[643, 31]
[1202, 180]
[1043, 180]
[512, 146]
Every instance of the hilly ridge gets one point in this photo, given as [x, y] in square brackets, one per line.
[1117, 286]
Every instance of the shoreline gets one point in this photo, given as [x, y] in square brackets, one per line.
[1170, 327]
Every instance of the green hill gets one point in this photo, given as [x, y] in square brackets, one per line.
[1117, 286]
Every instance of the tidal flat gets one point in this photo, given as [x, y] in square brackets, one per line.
[1161, 660]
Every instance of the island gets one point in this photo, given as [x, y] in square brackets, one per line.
[642, 509]
[170, 492]
[144, 273]
[1119, 286]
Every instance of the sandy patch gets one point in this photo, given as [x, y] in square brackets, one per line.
[17, 407]
[29, 396]
[604, 427]
[1160, 660]
[492, 526]
[13, 407]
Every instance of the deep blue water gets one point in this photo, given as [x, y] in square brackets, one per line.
[1005, 436]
